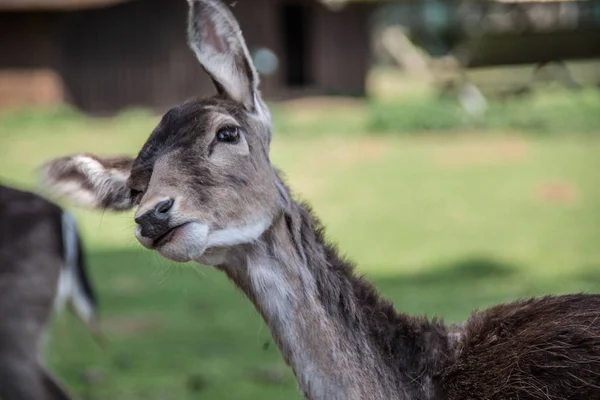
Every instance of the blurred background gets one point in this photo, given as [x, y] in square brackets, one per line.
[452, 149]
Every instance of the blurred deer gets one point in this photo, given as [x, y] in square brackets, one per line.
[41, 269]
[205, 190]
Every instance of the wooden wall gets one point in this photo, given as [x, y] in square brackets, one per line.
[135, 54]
[29, 53]
[130, 55]
[341, 49]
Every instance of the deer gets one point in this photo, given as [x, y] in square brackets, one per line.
[204, 190]
[42, 270]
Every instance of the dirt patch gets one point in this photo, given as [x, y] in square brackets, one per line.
[131, 325]
[484, 152]
[363, 150]
[557, 193]
[27, 88]
[334, 156]
[273, 375]
[307, 187]
[319, 109]
[323, 103]
[126, 285]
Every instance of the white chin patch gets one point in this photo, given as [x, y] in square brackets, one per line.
[188, 243]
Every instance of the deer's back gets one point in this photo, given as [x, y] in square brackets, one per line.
[545, 348]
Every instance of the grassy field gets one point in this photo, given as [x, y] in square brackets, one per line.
[442, 223]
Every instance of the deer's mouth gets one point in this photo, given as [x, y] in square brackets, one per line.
[181, 243]
[167, 236]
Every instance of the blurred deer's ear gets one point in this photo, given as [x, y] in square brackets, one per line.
[90, 181]
[215, 36]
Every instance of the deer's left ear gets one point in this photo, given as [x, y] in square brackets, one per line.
[90, 181]
[216, 38]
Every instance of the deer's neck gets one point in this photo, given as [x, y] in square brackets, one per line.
[341, 339]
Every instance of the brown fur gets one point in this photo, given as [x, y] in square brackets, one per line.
[342, 340]
[545, 348]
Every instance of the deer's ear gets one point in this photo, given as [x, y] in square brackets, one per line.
[215, 36]
[90, 181]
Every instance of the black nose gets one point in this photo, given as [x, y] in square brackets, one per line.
[155, 223]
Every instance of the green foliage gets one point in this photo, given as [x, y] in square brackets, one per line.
[296, 122]
[556, 112]
[417, 115]
[22, 121]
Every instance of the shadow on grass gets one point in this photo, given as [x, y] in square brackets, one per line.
[188, 332]
[132, 279]
[591, 273]
[453, 290]
[463, 271]
[140, 283]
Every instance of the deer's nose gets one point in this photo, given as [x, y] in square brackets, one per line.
[155, 223]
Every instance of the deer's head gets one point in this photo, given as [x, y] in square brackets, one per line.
[202, 182]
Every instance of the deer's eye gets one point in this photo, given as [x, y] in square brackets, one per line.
[229, 134]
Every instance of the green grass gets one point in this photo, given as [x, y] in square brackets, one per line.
[442, 223]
